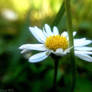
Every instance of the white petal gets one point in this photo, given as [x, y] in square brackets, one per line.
[55, 30]
[45, 33]
[24, 51]
[68, 50]
[84, 57]
[81, 42]
[39, 47]
[38, 34]
[74, 33]
[65, 34]
[83, 48]
[38, 57]
[59, 52]
[84, 52]
[48, 29]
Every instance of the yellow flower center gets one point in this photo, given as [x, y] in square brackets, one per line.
[56, 41]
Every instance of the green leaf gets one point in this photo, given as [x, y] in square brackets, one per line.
[59, 15]
[83, 84]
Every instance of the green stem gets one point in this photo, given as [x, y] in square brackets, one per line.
[56, 62]
[69, 22]
[71, 43]
[55, 73]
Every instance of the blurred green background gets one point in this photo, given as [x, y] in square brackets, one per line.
[16, 73]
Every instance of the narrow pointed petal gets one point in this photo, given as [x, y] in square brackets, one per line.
[55, 30]
[38, 57]
[58, 52]
[61, 52]
[64, 34]
[44, 32]
[81, 42]
[39, 47]
[84, 57]
[83, 48]
[84, 52]
[74, 33]
[48, 29]
[38, 34]
[24, 51]
[68, 50]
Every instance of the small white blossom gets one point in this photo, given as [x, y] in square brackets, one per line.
[53, 42]
[9, 15]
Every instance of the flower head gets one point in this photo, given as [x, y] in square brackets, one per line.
[53, 42]
[56, 41]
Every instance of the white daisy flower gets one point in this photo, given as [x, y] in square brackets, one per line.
[53, 42]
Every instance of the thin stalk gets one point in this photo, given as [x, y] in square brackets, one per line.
[69, 22]
[71, 43]
[56, 63]
[55, 73]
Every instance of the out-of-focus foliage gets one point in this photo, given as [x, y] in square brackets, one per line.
[16, 73]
